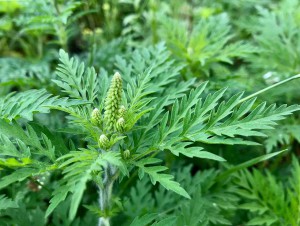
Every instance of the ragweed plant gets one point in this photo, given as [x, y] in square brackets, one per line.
[122, 125]
[263, 205]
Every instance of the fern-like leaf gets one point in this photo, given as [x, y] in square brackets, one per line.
[6, 203]
[166, 180]
[79, 168]
[77, 81]
[25, 104]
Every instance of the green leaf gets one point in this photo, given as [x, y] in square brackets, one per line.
[58, 196]
[6, 203]
[16, 141]
[167, 221]
[25, 104]
[181, 148]
[76, 80]
[261, 220]
[143, 220]
[248, 164]
[79, 167]
[17, 175]
[166, 180]
[116, 160]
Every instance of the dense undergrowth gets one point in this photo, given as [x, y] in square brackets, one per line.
[132, 112]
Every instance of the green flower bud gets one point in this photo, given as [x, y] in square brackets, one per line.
[122, 111]
[104, 142]
[112, 102]
[96, 118]
[126, 154]
[120, 124]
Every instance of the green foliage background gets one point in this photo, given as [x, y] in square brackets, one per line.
[200, 151]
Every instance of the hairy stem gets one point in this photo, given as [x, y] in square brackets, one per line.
[105, 192]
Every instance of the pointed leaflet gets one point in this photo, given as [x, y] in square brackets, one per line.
[181, 148]
[25, 104]
[78, 169]
[166, 180]
[6, 203]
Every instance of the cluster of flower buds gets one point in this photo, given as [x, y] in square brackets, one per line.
[104, 142]
[122, 111]
[96, 117]
[114, 114]
[121, 121]
[120, 125]
[112, 102]
[126, 154]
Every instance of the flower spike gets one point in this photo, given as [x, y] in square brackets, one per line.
[112, 102]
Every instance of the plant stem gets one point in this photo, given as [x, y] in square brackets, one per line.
[105, 192]
[270, 87]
